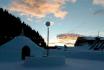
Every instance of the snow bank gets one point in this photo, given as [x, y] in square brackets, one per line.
[86, 55]
[82, 52]
[44, 61]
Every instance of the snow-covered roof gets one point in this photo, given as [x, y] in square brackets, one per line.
[89, 38]
[93, 38]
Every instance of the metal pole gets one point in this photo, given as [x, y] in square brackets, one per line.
[47, 40]
[47, 49]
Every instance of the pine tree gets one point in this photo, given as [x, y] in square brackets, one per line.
[11, 26]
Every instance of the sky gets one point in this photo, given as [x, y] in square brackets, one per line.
[84, 17]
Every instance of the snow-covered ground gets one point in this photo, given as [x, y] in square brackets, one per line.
[76, 58]
[75, 61]
[71, 64]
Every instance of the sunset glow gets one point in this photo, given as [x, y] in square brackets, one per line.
[64, 39]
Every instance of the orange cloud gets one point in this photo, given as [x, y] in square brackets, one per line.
[67, 39]
[40, 8]
[68, 36]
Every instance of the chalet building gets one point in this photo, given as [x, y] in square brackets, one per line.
[95, 43]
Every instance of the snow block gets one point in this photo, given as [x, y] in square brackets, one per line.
[44, 61]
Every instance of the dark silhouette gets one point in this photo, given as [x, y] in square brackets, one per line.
[82, 40]
[11, 26]
[65, 47]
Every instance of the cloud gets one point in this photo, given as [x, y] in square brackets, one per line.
[73, 1]
[98, 2]
[67, 35]
[40, 8]
[67, 39]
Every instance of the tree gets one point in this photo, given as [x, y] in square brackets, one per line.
[11, 26]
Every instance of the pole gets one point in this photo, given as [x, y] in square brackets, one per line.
[47, 49]
[47, 40]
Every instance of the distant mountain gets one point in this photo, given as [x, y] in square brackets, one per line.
[11, 26]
